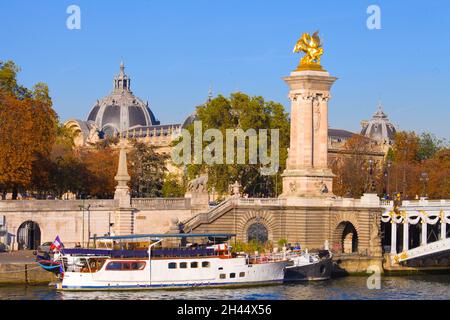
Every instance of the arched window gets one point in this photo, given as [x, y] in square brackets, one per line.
[257, 232]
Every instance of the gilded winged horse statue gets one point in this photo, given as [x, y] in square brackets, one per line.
[312, 47]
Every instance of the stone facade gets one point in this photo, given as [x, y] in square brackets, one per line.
[307, 221]
[72, 223]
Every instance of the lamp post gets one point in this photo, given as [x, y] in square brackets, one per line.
[404, 173]
[424, 179]
[371, 182]
[389, 164]
[83, 207]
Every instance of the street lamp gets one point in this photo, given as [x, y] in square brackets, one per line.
[371, 182]
[389, 164]
[83, 207]
[424, 179]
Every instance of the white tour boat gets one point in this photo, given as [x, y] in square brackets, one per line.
[160, 267]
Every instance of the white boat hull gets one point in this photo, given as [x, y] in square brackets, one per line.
[219, 273]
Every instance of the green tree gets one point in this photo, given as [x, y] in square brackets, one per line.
[429, 145]
[173, 186]
[241, 111]
[147, 169]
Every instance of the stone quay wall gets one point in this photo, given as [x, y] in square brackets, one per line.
[28, 273]
[73, 224]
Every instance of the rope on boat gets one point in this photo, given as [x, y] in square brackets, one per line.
[17, 271]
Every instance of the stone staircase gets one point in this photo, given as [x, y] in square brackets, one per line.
[206, 217]
[212, 214]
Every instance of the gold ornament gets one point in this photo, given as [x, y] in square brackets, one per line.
[312, 47]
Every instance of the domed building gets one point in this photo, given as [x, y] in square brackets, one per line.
[379, 128]
[121, 110]
[120, 113]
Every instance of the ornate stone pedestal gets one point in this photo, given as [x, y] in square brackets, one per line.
[124, 215]
[307, 173]
[198, 192]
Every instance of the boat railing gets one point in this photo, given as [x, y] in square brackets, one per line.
[160, 252]
[264, 258]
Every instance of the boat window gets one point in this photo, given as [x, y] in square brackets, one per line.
[125, 265]
[223, 276]
[194, 264]
[114, 266]
[205, 264]
[242, 274]
[232, 275]
[220, 268]
[172, 265]
[183, 265]
[137, 265]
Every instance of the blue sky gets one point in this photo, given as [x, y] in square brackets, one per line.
[175, 50]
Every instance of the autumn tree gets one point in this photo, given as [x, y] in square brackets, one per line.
[352, 169]
[419, 166]
[101, 168]
[27, 129]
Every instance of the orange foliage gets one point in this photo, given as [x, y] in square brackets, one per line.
[102, 167]
[16, 140]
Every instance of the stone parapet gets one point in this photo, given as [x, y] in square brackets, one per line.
[161, 203]
[56, 205]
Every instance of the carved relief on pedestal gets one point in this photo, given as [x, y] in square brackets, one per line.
[292, 187]
[304, 95]
[316, 115]
[375, 235]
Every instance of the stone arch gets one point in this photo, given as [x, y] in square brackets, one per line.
[341, 221]
[78, 130]
[28, 235]
[253, 217]
[345, 236]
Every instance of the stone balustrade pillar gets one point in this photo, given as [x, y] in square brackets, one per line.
[405, 234]
[443, 227]
[393, 237]
[424, 233]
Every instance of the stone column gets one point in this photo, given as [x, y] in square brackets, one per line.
[443, 226]
[393, 237]
[405, 234]
[307, 173]
[424, 233]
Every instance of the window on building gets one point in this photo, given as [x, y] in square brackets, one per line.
[172, 265]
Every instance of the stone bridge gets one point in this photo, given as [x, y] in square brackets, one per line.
[350, 225]
[418, 231]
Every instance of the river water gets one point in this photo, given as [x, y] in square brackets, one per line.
[409, 288]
